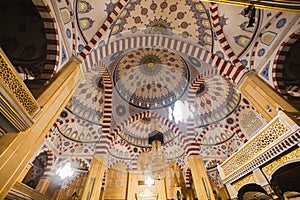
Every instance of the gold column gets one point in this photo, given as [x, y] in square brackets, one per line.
[5, 141]
[24, 172]
[15, 158]
[58, 194]
[43, 185]
[223, 193]
[189, 194]
[264, 183]
[93, 184]
[264, 98]
[131, 188]
[200, 179]
[161, 189]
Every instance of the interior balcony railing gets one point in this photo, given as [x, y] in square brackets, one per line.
[17, 105]
[278, 138]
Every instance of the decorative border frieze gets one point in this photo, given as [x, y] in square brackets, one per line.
[247, 179]
[292, 156]
[10, 79]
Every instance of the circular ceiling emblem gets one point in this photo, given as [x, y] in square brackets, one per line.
[151, 78]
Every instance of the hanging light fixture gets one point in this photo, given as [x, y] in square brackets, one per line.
[154, 163]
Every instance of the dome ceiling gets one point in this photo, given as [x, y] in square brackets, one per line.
[137, 133]
[151, 78]
[23, 39]
[178, 85]
[215, 99]
[88, 99]
[184, 19]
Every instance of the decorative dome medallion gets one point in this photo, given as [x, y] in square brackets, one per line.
[151, 78]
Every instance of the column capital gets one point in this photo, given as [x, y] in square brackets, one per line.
[101, 157]
[245, 77]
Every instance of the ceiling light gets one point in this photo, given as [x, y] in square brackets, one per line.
[154, 163]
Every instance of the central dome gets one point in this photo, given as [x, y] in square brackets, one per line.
[151, 78]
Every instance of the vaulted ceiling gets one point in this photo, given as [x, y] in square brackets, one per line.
[171, 66]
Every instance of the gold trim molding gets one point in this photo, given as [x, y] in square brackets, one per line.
[269, 169]
[247, 179]
[279, 5]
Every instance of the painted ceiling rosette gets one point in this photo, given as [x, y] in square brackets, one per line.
[151, 78]
[186, 19]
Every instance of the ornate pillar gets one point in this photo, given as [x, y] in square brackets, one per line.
[264, 98]
[58, 194]
[161, 189]
[15, 158]
[223, 193]
[93, 184]
[262, 180]
[189, 194]
[231, 191]
[177, 193]
[201, 181]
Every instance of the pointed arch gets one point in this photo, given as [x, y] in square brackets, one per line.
[52, 39]
[221, 36]
[277, 70]
[49, 162]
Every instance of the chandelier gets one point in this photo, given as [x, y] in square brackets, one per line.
[147, 195]
[154, 163]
